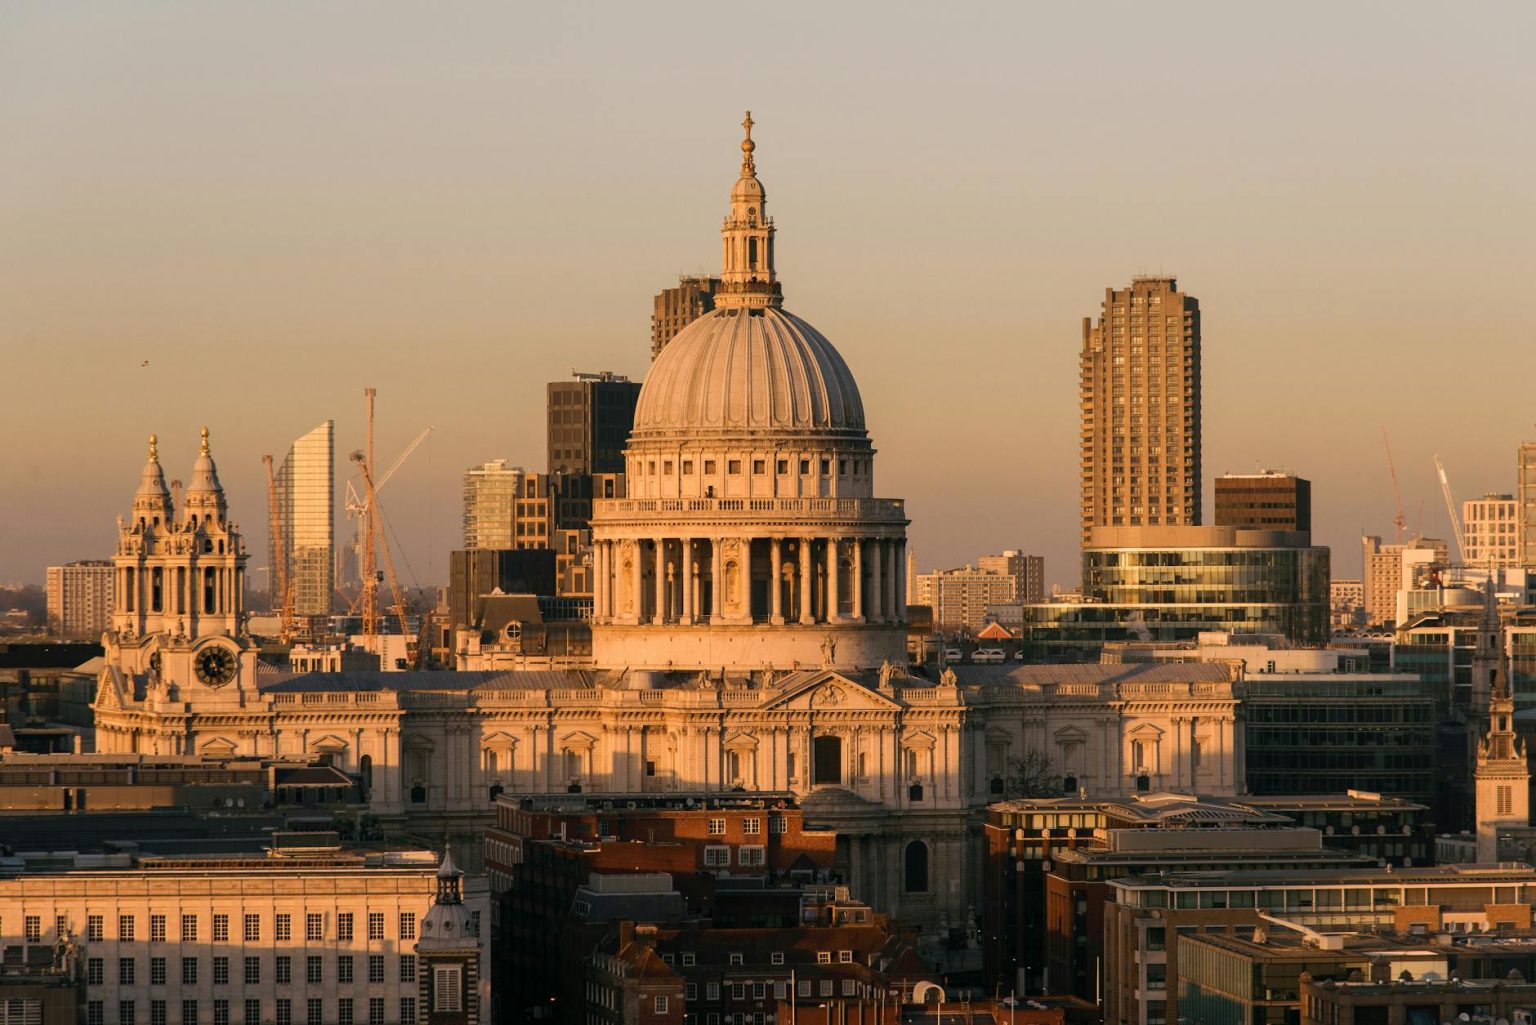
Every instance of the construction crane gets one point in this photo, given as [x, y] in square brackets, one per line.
[354, 506]
[279, 577]
[1450, 509]
[1400, 521]
[374, 542]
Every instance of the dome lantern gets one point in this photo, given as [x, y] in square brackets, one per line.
[747, 275]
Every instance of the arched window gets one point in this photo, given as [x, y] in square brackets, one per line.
[418, 794]
[916, 866]
[365, 770]
[828, 756]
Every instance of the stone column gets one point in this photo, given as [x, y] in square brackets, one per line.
[806, 617]
[858, 580]
[638, 597]
[661, 581]
[900, 583]
[686, 544]
[599, 584]
[716, 571]
[832, 572]
[876, 582]
[888, 600]
[610, 581]
[776, 581]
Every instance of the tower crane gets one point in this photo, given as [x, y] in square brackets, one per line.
[355, 507]
[1450, 509]
[279, 557]
[1400, 521]
[374, 542]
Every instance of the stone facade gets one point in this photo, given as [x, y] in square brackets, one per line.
[749, 631]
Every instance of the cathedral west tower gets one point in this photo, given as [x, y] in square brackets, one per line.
[751, 537]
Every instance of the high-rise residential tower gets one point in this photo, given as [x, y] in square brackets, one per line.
[1525, 496]
[306, 503]
[1140, 384]
[507, 507]
[490, 496]
[675, 308]
[80, 597]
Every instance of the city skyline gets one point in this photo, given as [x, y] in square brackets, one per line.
[1342, 203]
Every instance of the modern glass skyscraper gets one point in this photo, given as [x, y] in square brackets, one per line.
[306, 503]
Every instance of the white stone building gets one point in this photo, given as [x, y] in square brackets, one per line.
[749, 631]
[313, 937]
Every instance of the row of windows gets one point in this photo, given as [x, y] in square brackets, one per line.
[751, 825]
[760, 467]
[314, 1012]
[283, 926]
[283, 965]
[748, 857]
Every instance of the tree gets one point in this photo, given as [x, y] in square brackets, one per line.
[1031, 775]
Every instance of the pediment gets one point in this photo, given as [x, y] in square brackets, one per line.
[329, 744]
[109, 697]
[498, 739]
[740, 742]
[580, 740]
[1070, 735]
[829, 690]
[998, 735]
[920, 740]
[219, 747]
[1146, 731]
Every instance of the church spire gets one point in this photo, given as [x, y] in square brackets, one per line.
[152, 502]
[747, 277]
[1488, 658]
[1502, 775]
[205, 495]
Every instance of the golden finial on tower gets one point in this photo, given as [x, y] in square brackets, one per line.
[203, 450]
[154, 448]
[747, 146]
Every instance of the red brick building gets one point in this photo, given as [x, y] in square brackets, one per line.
[543, 850]
[839, 953]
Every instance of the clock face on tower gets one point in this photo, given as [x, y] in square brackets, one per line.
[215, 666]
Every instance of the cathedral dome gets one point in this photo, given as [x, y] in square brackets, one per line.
[750, 370]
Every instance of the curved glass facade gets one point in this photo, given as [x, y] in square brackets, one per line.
[1174, 594]
[1293, 578]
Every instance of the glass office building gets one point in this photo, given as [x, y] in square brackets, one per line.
[306, 490]
[1173, 583]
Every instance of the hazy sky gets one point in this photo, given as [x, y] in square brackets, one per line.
[278, 204]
